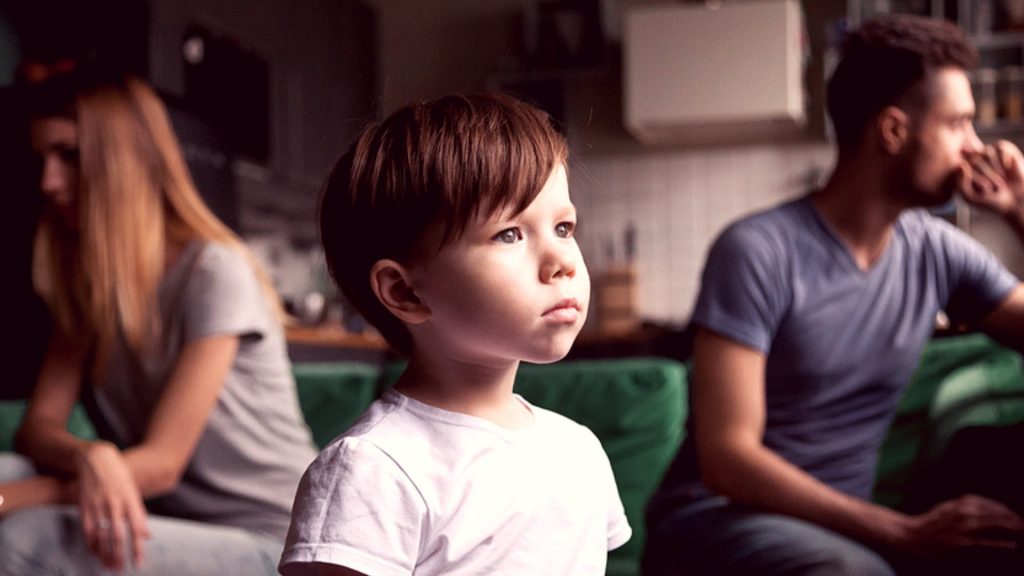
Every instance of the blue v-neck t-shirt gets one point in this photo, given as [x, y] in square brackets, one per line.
[841, 342]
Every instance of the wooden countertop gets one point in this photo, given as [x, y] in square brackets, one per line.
[333, 336]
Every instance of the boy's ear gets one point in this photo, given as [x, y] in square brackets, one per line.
[893, 129]
[389, 281]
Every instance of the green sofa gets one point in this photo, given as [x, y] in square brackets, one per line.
[637, 407]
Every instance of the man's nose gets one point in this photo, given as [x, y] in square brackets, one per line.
[973, 145]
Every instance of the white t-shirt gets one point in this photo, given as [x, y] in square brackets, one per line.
[411, 488]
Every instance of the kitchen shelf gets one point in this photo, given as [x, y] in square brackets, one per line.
[996, 40]
[998, 48]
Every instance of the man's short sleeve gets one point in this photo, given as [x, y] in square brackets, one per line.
[743, 291]
[977, 280]
[356, 508]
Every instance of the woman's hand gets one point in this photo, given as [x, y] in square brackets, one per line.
[110, 505]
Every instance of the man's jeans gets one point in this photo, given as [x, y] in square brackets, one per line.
[712, 536]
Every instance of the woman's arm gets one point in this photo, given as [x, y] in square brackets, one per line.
[43, 434]
[157, 462]
[35, 491]
[113, 484]
[185, 405]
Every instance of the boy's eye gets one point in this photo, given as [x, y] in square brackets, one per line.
[565, 229]
[509, 236]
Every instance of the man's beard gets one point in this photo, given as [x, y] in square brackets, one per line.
[909, 189]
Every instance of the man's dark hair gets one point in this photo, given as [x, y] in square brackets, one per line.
[886, 62]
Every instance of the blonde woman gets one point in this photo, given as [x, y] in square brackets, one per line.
[170, 336]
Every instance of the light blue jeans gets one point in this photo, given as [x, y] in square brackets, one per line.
[48, 540]
[712, 536]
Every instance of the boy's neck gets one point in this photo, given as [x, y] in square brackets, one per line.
[467, 388]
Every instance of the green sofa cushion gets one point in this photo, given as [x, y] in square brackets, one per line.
[333, 394]
[961, 380]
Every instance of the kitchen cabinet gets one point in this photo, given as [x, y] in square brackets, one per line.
[996, 27]
[695, 73]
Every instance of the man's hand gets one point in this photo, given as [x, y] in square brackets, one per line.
[967, 521]
[995, 180]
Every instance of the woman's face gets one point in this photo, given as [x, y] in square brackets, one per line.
[55, 141]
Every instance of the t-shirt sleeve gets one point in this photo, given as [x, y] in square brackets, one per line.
[977, 281]
[355, 508]
[619, 530]
[223, 297]
[743, 295]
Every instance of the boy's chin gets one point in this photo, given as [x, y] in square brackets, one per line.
[554, 354]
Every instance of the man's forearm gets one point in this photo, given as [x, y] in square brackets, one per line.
[1016, 221]
[765, 480]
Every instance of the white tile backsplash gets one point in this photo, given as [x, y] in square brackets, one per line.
[679, 201]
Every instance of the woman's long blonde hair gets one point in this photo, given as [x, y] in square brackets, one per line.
[135, 198]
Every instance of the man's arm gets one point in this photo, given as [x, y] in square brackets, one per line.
[1005, 324]
[997, 184]
[729, 411]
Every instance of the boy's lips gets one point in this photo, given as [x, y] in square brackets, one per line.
[567, 310]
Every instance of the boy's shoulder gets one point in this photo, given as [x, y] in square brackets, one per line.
[559, 426]
[408, 432]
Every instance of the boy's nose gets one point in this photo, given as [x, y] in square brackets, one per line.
[559, 262]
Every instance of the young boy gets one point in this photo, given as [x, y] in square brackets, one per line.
[449, 226]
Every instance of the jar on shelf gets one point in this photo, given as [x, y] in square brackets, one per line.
[1012, 14]
[1011, 92]
[985, 97]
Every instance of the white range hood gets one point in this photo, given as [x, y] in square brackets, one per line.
[718, 72]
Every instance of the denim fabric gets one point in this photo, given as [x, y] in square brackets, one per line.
[712, 536]
[48, 541]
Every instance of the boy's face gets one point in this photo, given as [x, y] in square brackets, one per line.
[512, 287]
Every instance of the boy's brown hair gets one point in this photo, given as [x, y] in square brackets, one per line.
[445, 161]
[886, 62]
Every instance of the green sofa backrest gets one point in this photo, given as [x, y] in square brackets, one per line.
[960, 381]
[11, 412]
[333, 394]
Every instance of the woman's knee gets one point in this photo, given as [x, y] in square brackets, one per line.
[34, 541]
[15, 467]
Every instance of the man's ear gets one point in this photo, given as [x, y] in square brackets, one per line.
[389, 281]
[893, 129]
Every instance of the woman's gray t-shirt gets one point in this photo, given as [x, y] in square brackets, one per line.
[255, 445]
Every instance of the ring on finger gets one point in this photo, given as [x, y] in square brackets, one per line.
[103, 524]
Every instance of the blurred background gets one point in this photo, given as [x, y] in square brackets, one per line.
[681, 116]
